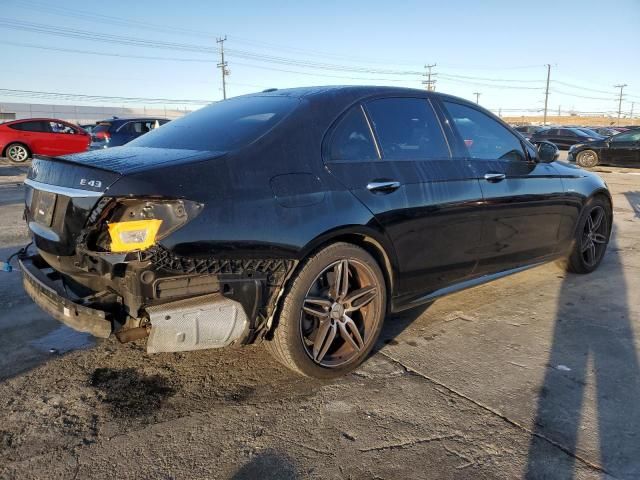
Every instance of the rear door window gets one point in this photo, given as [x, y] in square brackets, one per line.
[222, 126]
[35, 126]
[351, 140]
[564, 132]
[407, 129]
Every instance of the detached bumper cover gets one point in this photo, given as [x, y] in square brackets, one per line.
[49, 298]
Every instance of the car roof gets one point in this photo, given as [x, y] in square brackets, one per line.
[38, 119]
[351, 91]
[129, 119]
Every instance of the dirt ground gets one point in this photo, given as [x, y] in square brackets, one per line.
[535, 375]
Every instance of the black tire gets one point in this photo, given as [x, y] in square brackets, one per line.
[587, 159]
[295, 336]
[17, 152]
[591, 237]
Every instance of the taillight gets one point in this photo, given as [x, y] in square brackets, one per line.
[102, 136]
[129, 224]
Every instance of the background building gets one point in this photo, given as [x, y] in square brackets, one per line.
[83, 114]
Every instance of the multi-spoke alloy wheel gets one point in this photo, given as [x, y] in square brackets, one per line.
[332, 314]
[17, 153]
[592, 236]
[338, 313]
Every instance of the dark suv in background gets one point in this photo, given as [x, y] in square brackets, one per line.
[565, 137]
[118, 131]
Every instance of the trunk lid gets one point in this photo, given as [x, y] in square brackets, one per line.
[62, 192]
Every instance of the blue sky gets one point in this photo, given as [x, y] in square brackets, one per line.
[502, 45]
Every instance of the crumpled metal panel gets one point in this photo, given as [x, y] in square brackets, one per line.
[209, 321]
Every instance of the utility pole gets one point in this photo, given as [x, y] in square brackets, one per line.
[633, 104]
[477, 94]
[429, 84]
[621, 87]
[223, 66]
[546, 94]
[559, 111]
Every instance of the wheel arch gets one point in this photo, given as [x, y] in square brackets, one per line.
[372, 241]
[19, 142]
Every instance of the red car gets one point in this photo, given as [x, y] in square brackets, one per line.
[21, 139]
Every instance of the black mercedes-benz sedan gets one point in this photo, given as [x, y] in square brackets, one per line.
[300, 218]
[622, 150]
[564, 137]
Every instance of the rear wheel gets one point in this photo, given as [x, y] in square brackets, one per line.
[587, 159]
[332, 314]
[592, 236]
[18, 153]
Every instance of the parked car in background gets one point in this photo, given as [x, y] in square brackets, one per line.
[119, 131]
[88, 127]
[589, 131]
[528, 130]
[609, 131]
[21, 139]
[301, 218]
[563, 137]
[622, 150]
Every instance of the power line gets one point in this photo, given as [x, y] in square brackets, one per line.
[488, 85]
[97, 98]
[561, 92]
[138, 24]
[138, 42]
[466, 77]
[197, 60]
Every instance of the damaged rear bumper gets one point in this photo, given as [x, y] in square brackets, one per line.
[198, 322]
[48, 295]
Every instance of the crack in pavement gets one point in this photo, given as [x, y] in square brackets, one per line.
[409, 443]
[455, 453]
[510, 421]
[300, 444]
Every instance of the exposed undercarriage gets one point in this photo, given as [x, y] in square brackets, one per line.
[161, 295]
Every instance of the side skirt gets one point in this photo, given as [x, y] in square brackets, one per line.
[410, 301]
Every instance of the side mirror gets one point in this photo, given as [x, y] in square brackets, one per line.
[547, 152]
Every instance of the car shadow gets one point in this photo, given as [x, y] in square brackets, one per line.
[267, 465]
[395, 324]
[634, 200]
[28, 336]
[592, 361]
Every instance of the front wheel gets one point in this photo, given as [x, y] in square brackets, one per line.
[18, 153]
[587, 159]
[332, 314]
[592, 236]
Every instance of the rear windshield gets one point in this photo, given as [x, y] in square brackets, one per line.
[223, 126]
[101, 127]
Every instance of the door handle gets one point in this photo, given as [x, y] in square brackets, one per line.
[383, 187]
[494, 177]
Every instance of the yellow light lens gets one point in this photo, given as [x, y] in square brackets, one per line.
[134, 235]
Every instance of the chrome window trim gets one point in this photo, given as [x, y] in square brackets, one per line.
[66, 191]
